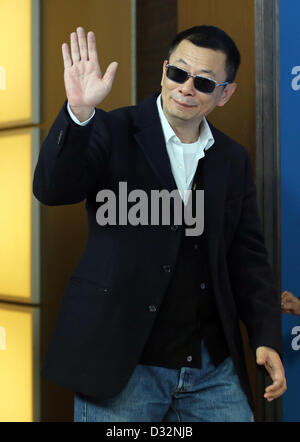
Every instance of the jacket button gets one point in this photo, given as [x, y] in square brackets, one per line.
[167, 268]
[189, 358]
[152, 308]
[202, 285]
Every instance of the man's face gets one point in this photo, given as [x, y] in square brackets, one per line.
[182, 102]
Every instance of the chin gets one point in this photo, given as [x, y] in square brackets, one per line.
[182, 115]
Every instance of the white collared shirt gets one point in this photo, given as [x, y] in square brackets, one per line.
[183, 157]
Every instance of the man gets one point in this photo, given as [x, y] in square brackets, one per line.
[149, 325]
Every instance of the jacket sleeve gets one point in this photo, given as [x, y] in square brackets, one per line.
[251, 275]
[72, 161]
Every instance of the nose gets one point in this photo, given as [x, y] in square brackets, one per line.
[187, 88]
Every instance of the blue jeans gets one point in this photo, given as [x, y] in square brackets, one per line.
[153, 394]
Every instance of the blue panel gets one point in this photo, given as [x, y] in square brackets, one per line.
[290, 195]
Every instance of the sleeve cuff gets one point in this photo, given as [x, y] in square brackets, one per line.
[80, 123]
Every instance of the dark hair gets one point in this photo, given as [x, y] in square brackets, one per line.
[213, 38]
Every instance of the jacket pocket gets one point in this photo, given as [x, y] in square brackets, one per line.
[84, 312]
[85, 287]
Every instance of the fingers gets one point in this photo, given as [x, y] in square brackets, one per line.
[287, 307]
[92, 50]
[287, 296]
[276, 389]
[81, 37]
[290, 303]
[276, 372]
[75, 48]
[92, 47]
[284, 299]
[66, 56]
[79, 48]
[83, 48]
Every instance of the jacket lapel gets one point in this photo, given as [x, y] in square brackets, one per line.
[149, 136]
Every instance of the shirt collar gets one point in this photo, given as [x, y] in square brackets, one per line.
[205, 140]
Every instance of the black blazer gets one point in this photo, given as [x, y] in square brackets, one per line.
[105, 316]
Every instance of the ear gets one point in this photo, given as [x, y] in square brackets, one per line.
[227, 93]
[163, 71]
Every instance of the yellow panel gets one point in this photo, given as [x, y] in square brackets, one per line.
[16, 364]
[15, 62]
[15, 214]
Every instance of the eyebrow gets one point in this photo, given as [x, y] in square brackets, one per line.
[202, 71]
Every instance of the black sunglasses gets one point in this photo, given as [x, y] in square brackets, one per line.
[202, 84]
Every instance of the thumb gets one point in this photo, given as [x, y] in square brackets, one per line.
[261, 356]
[110, 73]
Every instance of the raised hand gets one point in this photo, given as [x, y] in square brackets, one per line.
[85, 86]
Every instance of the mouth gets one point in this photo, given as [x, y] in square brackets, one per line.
[183, 105]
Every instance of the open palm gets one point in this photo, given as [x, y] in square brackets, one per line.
[84, 83]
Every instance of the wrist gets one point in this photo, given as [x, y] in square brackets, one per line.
[82, 113]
